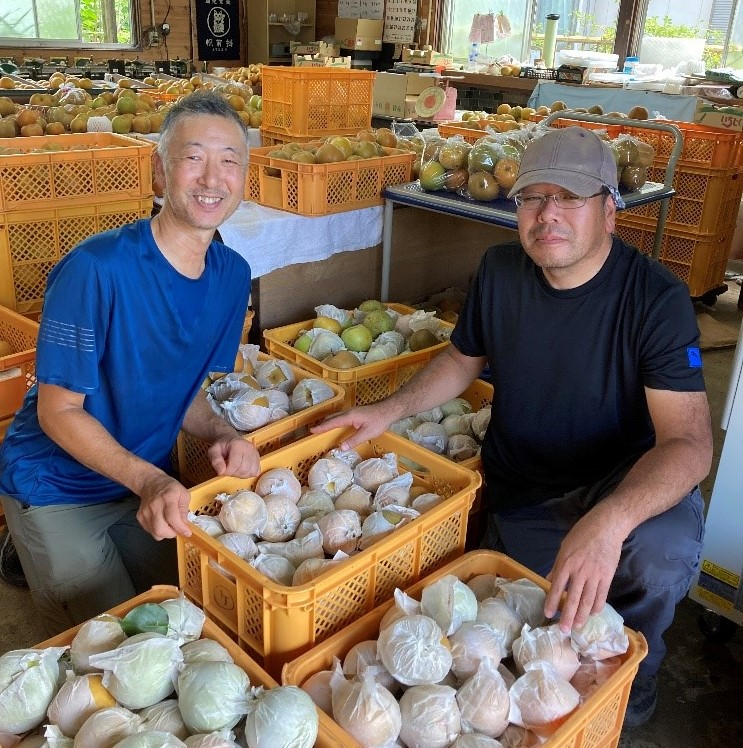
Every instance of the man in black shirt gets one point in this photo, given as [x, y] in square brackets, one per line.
[600, 428]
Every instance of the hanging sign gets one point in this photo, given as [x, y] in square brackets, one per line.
[371, 9]
[218, 29]
[399, 21]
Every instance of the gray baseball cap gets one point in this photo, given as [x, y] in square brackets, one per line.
[570, 157]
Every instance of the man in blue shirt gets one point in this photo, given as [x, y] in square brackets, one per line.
[133, 321]
[600, 428]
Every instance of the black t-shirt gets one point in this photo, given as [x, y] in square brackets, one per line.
[569, 367]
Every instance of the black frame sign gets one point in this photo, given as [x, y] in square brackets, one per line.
[218, 29]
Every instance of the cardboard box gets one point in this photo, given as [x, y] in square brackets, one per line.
[318, 61]
[393, 93]
[359, 34]
[315, 48]
[415, 56]
[727, 117]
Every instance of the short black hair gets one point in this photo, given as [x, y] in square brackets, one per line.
[202, 101]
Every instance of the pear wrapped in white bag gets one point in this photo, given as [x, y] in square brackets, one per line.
[431, 436]
[277, 568]
[99, 634]
[55, 738]
[404, 606]
[484, 702]
[430, 716]
[414, 650]
[602, 635]
[275, 374]
[78, 698]
[243, 511]
[205, 650]
[247, 410]
[372, 472]
[350, 456]
[298, 549]
[365, 709]
[450, 602]
[317, 686]
[308, 392]
[314, 501]
[107, 727]
[185, 620]
[281, 717]
[541, 699]
[151, 739]
[549, 643]
[395, 491]
[279, 482]
[472, 740]
[141, 670]
[502, 617]
[213, 695]
[526, 598]
[217, 739]
[331, 475]
[29, 679]
[363, 655]
[165, 716]
[473, 642]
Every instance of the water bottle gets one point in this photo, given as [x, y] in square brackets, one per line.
[629, 65]
[472, 59]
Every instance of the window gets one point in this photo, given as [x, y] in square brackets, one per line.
[673, 31]
[584, 24]
[67, 22]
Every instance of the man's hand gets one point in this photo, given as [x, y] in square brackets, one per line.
[369, 421]
[163, 508]
[584, 567]
[236, 457]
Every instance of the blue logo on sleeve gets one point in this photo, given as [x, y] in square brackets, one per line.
[695, 358]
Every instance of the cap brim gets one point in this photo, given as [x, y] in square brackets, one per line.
[579, 184]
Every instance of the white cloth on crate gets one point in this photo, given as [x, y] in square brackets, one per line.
[270, 239]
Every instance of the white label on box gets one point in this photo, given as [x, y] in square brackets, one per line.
[399, 21]
[371, 9]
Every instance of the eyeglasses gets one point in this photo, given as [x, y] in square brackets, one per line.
[563, 200]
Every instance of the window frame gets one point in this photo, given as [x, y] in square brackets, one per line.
[136, 45]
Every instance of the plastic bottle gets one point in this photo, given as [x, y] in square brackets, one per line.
[550, 40]
[629, 65]
[472, 59]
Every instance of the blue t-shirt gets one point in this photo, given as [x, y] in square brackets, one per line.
[570, 367]
[121, 326]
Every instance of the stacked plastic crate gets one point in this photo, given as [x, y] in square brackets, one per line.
[55, 192]
[306, 104]
[702, 215]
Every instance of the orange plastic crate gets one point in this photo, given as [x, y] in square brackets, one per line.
[320, 189]
[276, 623]
[363, 384]
[194, 465]
[329, 734]
[17, 369]
[705, 147]
[90, 167]
[317, 101]
[706, 200]
[596, 723]
[33, 241]
[470, 134]
[273, 138]
[699, 261]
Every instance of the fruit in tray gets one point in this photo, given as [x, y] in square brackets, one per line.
[335, 148]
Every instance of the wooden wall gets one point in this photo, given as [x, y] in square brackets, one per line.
[181, 42]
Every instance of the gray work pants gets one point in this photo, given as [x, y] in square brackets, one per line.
[82, 559]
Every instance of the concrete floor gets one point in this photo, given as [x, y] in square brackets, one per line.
[700, 698]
